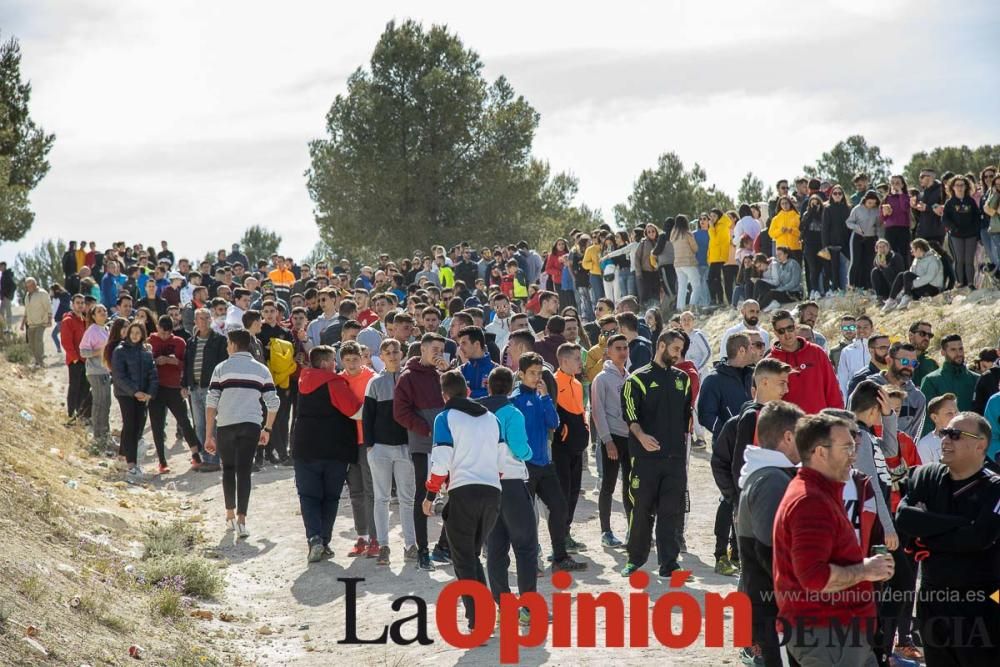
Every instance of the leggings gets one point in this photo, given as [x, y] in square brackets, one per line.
[862, 259]
[815, 265]
[964, 251]
[237, 445]
[899, 241]
[715, 283]
[133, 424]
[610, 480]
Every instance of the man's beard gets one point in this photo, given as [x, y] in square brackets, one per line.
[751, 321]
[666, 360]
[883, 361]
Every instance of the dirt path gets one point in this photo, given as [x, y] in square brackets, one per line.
[270, 584]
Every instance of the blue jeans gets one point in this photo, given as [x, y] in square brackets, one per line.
[55, 336]
[596, 287]
[319, 484]
[626, 283]
[197, 398]
[702, 296]
[687, 275]
[991, 242]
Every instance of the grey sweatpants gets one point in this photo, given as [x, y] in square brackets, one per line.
[359, 483]
[964, 251]
[386, 463]
[100, 391]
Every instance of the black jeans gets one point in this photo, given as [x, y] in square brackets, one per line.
[544, 483]
[815, 266]
[724, 534]
[658, 489]
[319, 484]
[277, 445]
[473, 510]
[899, 240]
[729, 272]
[569, 468]
[78, 400]
[764, 293]
[420, 474]
[515, 527]
[862, 259]
[169, 398]
[610, 480]
[715, 283]
[881, 284]
[237, 444]
[904, 284]
[133, 424]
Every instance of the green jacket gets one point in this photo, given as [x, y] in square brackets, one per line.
[950, 378]
[925, 366]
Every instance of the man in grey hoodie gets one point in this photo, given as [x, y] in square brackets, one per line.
[770, 466]
[606, 409]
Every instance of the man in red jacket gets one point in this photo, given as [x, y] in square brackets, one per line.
[70, 334]
[822, 579]
[813, 384]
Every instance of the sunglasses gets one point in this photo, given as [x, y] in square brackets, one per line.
[849, 327]
[783, 330]
[956, 434]
[924, 334]
[908, 362]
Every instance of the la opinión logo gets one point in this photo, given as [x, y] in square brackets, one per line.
[646, 617]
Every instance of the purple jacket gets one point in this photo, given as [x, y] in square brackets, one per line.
[900, 216]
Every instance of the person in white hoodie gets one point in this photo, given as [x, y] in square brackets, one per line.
[769, 467]
[500, 325]
[853, 358]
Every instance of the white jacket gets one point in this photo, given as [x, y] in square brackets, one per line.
[853, 359]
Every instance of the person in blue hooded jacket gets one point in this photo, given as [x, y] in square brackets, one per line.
[531, 397]
[478, 365]
[516, 526]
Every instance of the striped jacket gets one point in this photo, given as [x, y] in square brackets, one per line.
[237, 387]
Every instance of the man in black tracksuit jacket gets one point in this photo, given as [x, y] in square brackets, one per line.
[656, 405]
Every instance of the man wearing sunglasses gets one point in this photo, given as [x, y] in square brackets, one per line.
[899, 373]
[814, 385]
[952, 509]
[987, 385]
[920, 336]
[848, 333]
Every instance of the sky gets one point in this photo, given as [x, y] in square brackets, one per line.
[189, 121]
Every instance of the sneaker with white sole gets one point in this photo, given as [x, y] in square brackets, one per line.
[134, 475]
[905, 302]
[889, 305]
[771, 307]
[315, 549]
[241, 531]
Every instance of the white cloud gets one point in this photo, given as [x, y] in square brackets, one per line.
[191, 120]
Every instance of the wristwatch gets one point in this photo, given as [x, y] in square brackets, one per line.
[266, 429]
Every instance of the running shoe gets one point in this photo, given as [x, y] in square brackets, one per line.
[629, 569]
[163, 468]
[383, 556]
[360, 548]
[576, 546]
[609, 540]
[410, 552]
[751, 656]
[439, 555]
[241, 531]
[315, 549]
[373, 549]
[424, 561]
[725, 567]
[567, 564]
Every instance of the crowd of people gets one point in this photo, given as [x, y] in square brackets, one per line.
[489, 377]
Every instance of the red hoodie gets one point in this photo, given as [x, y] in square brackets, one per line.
[70, 334]
[341, 396]
[812, 532]
[812, 384]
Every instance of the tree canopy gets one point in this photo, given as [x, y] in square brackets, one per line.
[423, 147]
[959, 159]
[849, 158]
[24, 147]
[259, 243]
[667, 190]
[752, 190]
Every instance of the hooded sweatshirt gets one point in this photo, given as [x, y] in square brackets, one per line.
[417, 402]
[863, 221]
[606, 404]
[835, 231]
[467, 447]
[784, 230]
[326, 421]
[929, 270]
[764, 479]
[812, 385]
[377, 422]
[512, 434]
[540, 417]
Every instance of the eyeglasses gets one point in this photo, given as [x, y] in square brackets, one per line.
[908, 362]
[924, 334]
[956, 434]
[849, 327]
[835, 193]
[783, 330]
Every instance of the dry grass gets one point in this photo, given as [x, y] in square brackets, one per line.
[62, 572]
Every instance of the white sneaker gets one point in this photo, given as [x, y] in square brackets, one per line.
[889, 306]
[134, 475]
[771, 307]
[241, 531]
[815, 295]
[905, 302]
[230, 525]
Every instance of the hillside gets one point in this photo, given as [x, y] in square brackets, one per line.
[74, 586]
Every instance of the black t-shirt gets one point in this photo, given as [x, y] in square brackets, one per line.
[538, 323]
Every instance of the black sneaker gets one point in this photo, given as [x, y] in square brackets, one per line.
[441, 556]
[567, 564]
[424, 561]
[666, 570]
[257, 467]
[286, 462]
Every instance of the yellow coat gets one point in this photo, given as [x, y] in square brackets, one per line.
[281, 362]
[719, 240]
[784, 230]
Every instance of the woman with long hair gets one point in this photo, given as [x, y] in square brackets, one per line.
[719, 243]
[701, 237]
[146, 318]
[837, 237]
[991, 216]
[92, 345]
[626, 276]
[925, 277]
[863, 223]
[646, 275]
[812, 243]
[654, 320]
[685, 262]
[554, 264]
[664, 252]
[116, 335]
[895, 215]
[135, 381]
[961, 219]
[609, 269]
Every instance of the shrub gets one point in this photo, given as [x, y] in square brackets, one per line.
[17, 353]
[173, 539]
[192, 574]
[166, 603]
